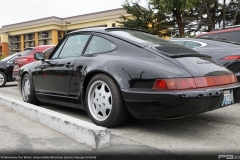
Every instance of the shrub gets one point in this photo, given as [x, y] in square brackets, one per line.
[2, 56]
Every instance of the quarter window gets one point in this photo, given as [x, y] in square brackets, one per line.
[99, 45]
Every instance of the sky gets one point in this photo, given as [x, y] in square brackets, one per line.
[16, 11]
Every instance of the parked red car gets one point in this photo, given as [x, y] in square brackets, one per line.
[28, 57]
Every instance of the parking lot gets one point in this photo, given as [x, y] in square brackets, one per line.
[215, 132]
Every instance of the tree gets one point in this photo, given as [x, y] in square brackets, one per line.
[236, 13]
[176, 8]
[224, 13]
[148, 19]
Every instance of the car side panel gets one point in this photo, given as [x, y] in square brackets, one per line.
[129, 65]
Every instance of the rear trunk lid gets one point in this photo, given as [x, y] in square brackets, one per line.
[198, 65]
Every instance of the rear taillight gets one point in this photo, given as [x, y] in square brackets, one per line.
[190, 83]
[232, 57]
[26, 59]
[178, 83]
[215, 80]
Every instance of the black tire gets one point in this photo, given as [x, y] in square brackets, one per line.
[31, 97]
[118, 114]
[3, 79]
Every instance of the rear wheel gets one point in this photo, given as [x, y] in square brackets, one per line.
[28, 92]
[105, 105]
[3, 79]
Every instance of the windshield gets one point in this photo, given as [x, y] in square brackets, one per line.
[10, 57]
[139, 37]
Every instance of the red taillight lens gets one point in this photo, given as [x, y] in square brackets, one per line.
[233, 57]
[178, 83]
[26, 59]
[189, 83]
[215, 80]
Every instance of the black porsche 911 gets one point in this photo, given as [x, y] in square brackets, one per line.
[114, 73]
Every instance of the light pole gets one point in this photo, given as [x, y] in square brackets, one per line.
[66, 26]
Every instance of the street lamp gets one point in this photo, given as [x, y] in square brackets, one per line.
[66, 26]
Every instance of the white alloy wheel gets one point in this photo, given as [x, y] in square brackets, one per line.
[26, 89]
[1, 79]
[100, 100]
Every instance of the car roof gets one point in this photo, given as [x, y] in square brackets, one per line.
[220, 31]
[210, 43]
[104, 29]
[41, 46]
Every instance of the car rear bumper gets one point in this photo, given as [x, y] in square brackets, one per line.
[238, 76]
[149, 104]
[15, 73]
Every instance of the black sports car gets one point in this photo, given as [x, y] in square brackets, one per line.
[117, 72]
[6, 69]
[226, 54]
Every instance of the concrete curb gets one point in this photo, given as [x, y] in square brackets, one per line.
[82, 131]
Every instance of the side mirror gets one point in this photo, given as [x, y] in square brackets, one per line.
[39, 56]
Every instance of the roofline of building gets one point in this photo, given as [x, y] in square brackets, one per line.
[63, 20]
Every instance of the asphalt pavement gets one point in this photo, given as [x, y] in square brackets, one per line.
[213, 133]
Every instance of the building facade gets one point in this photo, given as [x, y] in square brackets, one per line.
[16, 37]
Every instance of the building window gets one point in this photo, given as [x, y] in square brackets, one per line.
[14, 44]
[45, 38]
[113, 24]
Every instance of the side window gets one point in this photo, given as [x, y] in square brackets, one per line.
[58, 51]
[191, 45]
[98, 45]
[73, 46]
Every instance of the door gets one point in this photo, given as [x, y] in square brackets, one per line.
[54, 75]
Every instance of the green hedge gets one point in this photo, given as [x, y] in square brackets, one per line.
[2, 56]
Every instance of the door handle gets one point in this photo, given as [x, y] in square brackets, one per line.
[68, 64]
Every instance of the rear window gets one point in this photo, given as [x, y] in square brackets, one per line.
[228, 36]
[10, 57]
[208, 36]
[139, 37]
[27, 52]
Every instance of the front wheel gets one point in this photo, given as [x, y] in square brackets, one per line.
[105, 105]
[3, 79]
[28, 92]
